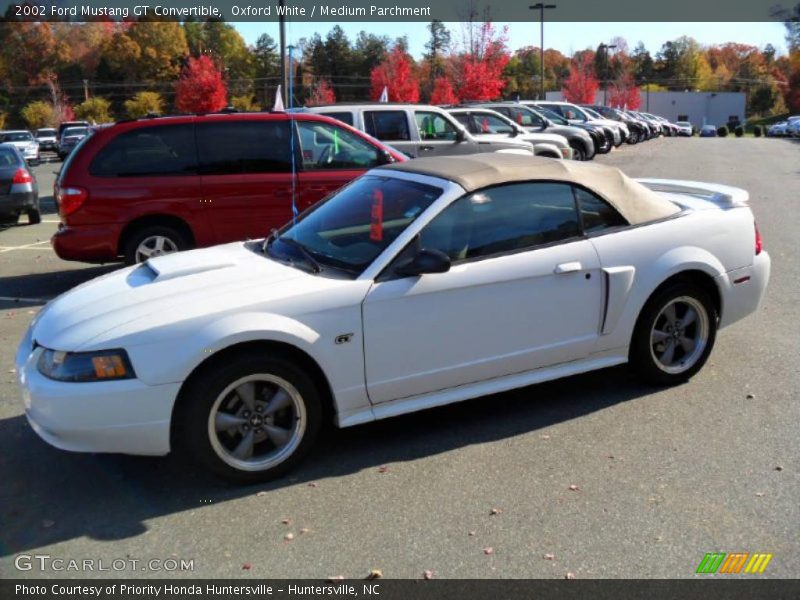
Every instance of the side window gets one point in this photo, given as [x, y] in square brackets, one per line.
[504, 218]
[326, 146]
[466, 120]
[344, 117]
[433, 126]
[387, 125]
[238, 147]
[149, 151]
[596, 213]
[489, 123]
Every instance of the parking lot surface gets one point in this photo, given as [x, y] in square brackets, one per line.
[594, 475]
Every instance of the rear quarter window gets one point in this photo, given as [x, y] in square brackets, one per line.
[387, 125]
[344, 117]
[244, 147]
[148, 151]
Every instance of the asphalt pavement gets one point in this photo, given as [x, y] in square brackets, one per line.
[595, 475]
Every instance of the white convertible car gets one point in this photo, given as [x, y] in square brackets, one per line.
[418, 284]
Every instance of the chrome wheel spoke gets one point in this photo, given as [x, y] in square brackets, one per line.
[669, 314]
[687, 344]
[247, 393]
[159, 244]
[278, 401]
[278, 435]
[669, 353]
[658, 336]
[225, 421]
[690, 317]
[245, 447]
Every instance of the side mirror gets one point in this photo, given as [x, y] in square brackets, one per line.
[425, 261]
[385, 157]
[514, 132]
[460, 135]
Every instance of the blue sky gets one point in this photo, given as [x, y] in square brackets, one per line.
[566, 37]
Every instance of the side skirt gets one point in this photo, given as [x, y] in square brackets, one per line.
[601, 360]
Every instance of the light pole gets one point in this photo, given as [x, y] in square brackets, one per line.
[541, 8]
[291, 76]
[606, 47]
[282, 35]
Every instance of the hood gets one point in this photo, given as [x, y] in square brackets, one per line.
[20, 143]
[528, 138]
[163, 290]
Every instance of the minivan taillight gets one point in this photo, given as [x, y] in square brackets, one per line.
[22, 176]
[70, 199]
[759, 241]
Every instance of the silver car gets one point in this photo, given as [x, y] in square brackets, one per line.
[23, 141]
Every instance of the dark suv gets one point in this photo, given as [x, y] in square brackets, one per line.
[152, 186]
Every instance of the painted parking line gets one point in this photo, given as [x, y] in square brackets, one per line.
[34, 246]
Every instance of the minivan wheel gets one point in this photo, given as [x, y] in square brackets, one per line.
[250, 418]
[674, 335]
[153, 241]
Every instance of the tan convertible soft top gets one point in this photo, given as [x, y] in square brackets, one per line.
[634, 201]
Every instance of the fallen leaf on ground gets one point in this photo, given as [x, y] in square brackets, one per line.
[779, 468]
[574, 488]
[428, 574]
[471, 533]
[488, 550]
[383, 469]
[495, 511]
[375, 574]
[549, 556]
[304, 530]
[288, 537]
[312, 484]
[247, 566]
[750, 396]
[336, 578]
[285, 521]
[760, 494]
[569, 575]
[261, 494]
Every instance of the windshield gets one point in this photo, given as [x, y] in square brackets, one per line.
[45, 132]
[350, 229]
[70, 131]
[17, 136]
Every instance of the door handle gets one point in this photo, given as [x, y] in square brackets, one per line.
[568, 267]
[426, 148]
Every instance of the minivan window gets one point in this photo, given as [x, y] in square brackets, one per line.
[344, 117]
[148, 151]
[238, 147]
[327, 146]
[387, 125]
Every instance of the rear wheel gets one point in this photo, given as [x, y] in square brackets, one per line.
[8, 219]
[251, 418]
[578, 153]
[674, 335]
[34, 215]
[152, 241]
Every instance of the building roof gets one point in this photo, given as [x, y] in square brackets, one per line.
[637, 203]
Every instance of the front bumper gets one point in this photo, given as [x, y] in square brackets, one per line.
[126, 416]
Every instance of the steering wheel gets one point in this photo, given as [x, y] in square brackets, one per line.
[325, 156]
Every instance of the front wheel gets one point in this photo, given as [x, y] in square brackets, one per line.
[578, 153]
[250, 418]
[674, 335]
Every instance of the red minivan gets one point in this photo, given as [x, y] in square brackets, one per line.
[151, 186]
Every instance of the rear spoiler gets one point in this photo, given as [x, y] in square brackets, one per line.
[723, 196]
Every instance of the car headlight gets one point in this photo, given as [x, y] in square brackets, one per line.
[102, 365]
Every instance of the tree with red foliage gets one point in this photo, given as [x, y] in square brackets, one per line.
[443, 92]
[200, 88]
[581, 85]
[395, 74]
[478, 73]
[624, 93]
[322, 93]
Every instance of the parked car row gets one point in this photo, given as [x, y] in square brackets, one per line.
[62, 140]
[788, 128]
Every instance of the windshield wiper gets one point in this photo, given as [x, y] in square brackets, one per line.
[270, 238]
[315, 266]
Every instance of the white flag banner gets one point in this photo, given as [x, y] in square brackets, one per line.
[384, 94]
[278, 106]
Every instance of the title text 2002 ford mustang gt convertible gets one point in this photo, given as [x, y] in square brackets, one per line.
[418, 284]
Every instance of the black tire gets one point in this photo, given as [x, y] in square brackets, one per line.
[196, 401]
[605, 149]
[133, 240]
[633, 138]
[642, 355]
[34, 215]
[578, 153]
[8, 219]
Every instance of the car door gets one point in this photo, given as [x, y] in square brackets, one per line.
[524, 292]
[331, 156]
[391, 126]
[439, 136]
[246, 175]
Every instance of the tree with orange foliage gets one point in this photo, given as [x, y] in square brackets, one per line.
[581, 85]
[322, 93]
[443, 92]
[395, 74]
[478, 72]
[200, 88]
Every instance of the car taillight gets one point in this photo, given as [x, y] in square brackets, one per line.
[22, 176]
[71, 199]
[759, 241]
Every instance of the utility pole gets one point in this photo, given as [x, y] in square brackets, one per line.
[606, 47]
[541, 8]
[282, 32]
[86, 89]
